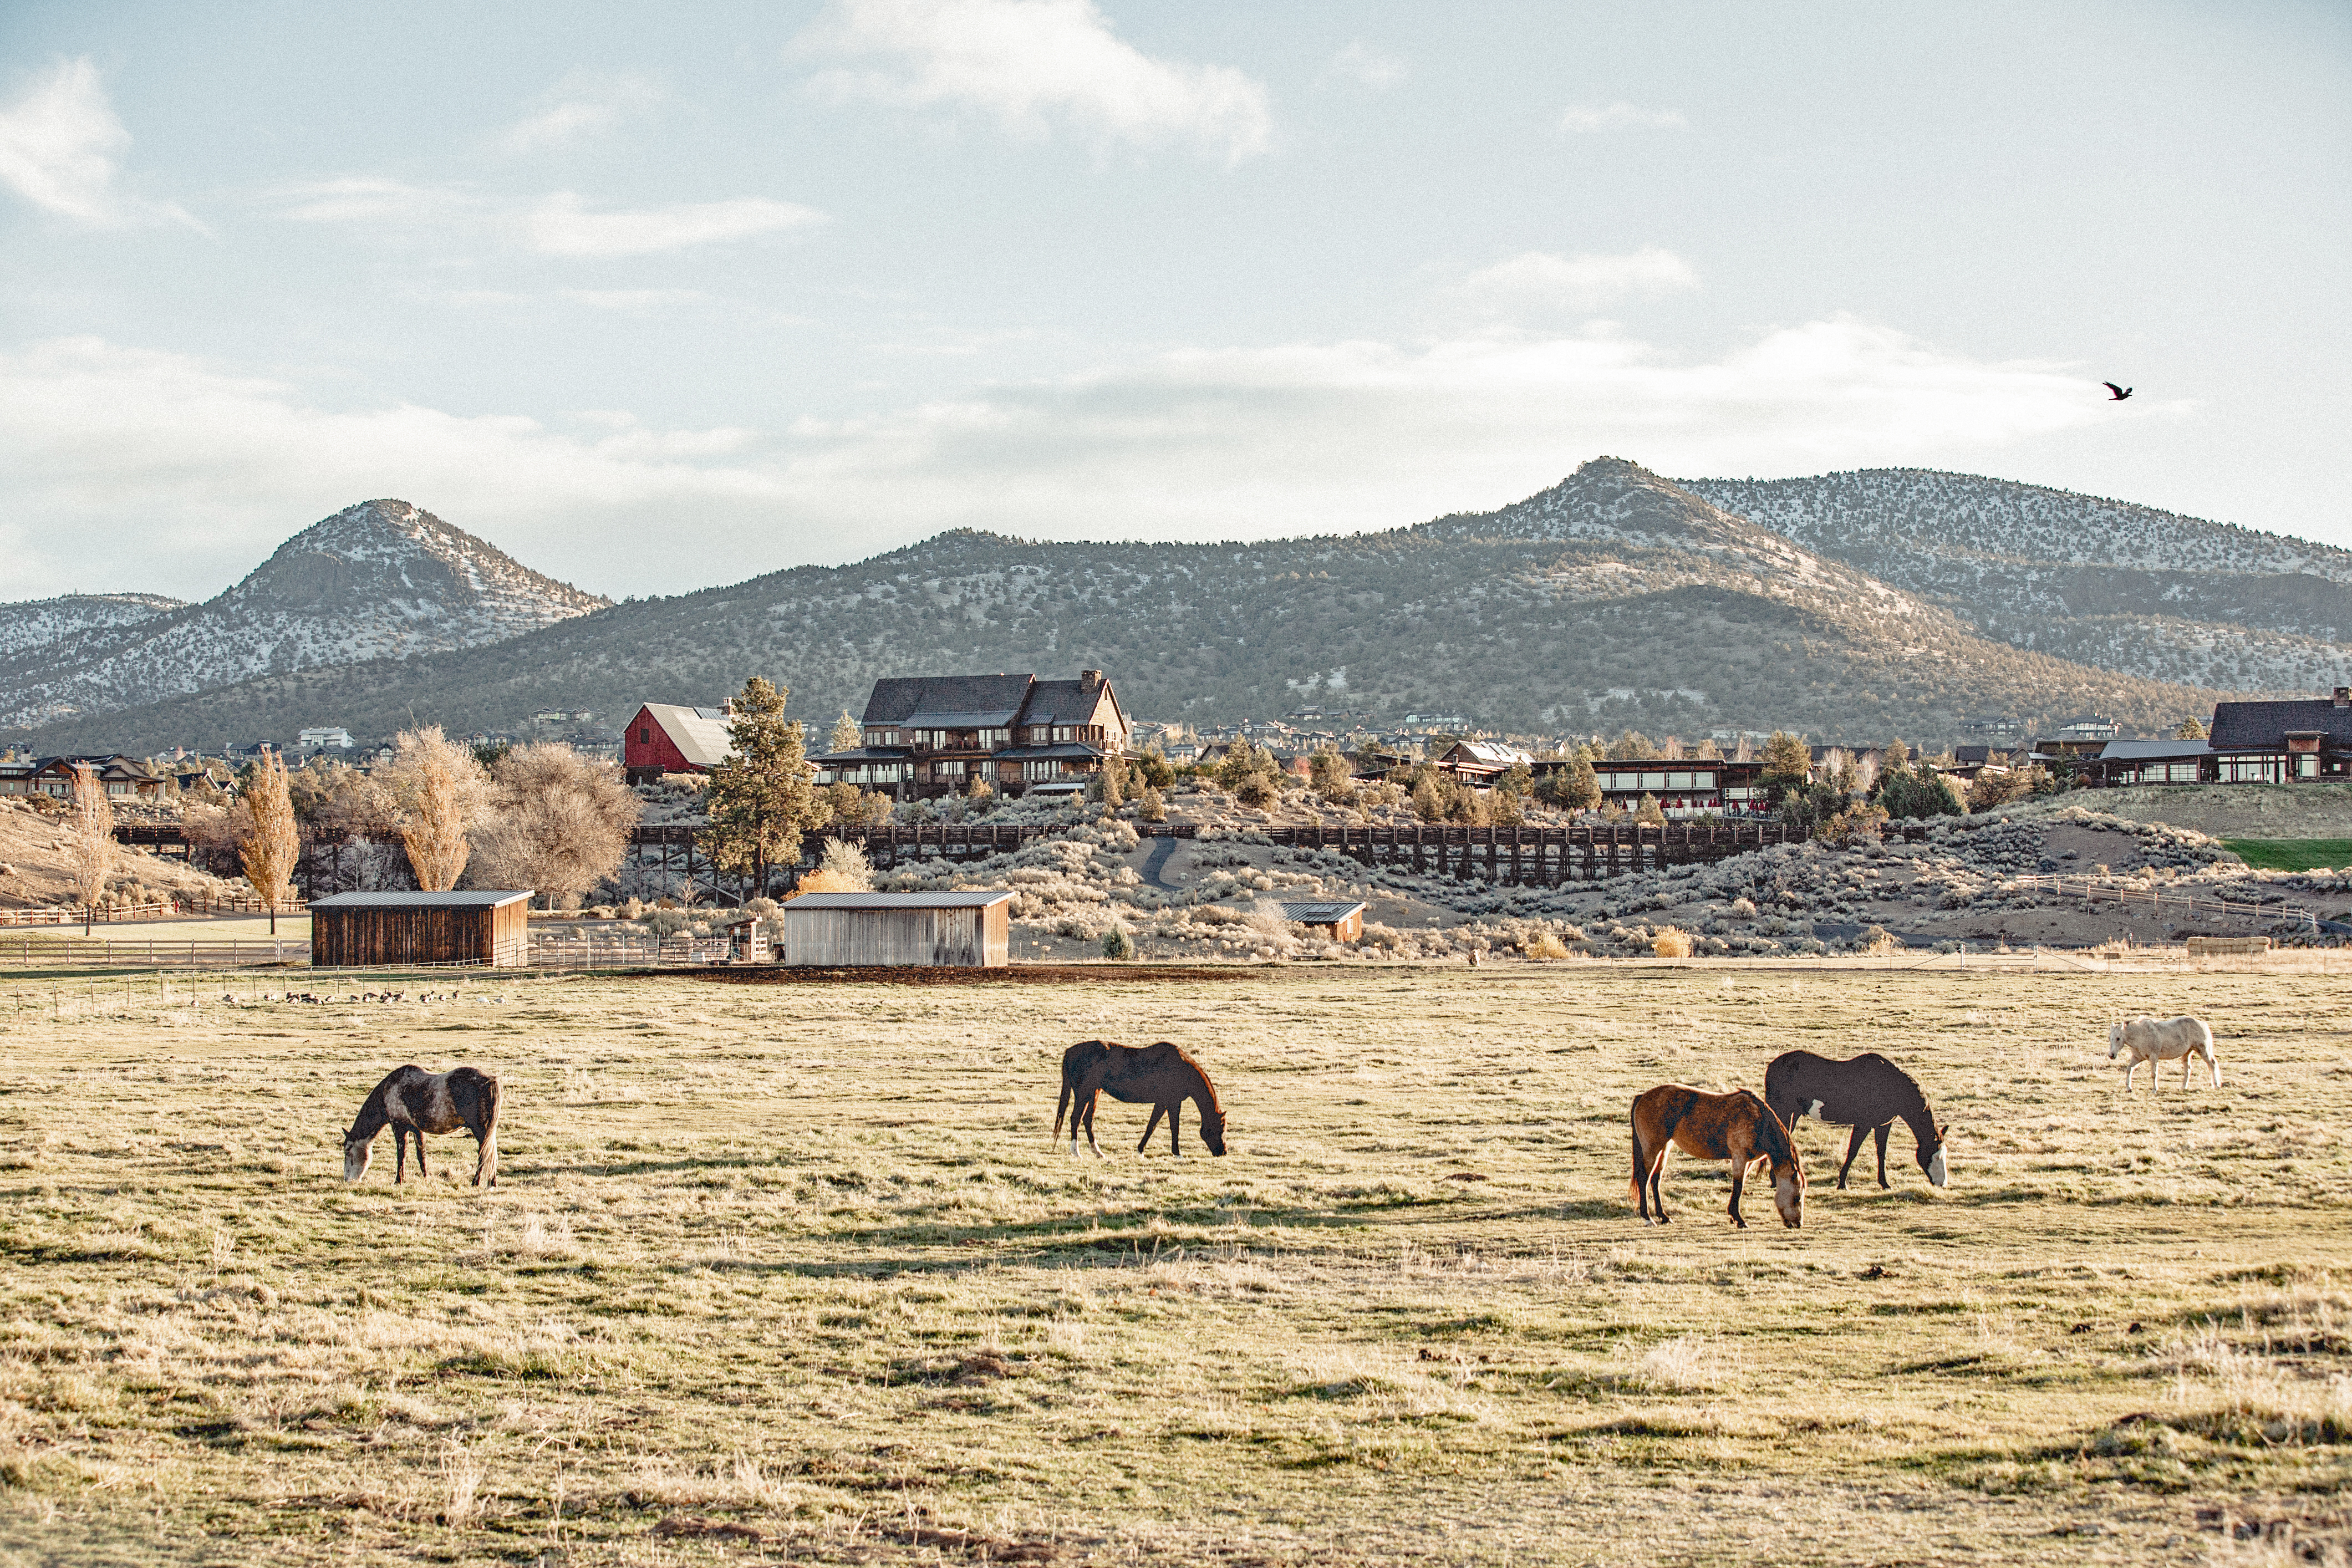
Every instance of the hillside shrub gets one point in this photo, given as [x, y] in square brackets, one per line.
[1118, 943]
[1544, 947]
[1671, 942]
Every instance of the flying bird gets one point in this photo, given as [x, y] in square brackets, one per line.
[2120, 392]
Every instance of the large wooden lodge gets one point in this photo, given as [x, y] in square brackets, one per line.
[932, 735]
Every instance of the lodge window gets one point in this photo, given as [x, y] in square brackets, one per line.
[645, 735]
[2252, 769]
[1040, 769]
[947, 768]
[993, 739]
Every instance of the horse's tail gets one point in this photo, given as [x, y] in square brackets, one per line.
[1069, 1093]
[1638, 1173]
[485, 1166]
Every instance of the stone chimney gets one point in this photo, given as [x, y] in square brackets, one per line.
[1090, 679]
[2344, 697]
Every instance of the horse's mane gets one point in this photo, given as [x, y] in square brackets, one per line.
[1775, 1135]
[1207, 1087]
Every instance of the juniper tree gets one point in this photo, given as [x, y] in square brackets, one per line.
[760, 798]
[847, 736]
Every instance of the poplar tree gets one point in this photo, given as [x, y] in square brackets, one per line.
[760, 798]
[271, 843]
[92, 844]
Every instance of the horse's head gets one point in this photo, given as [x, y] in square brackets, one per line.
[1213, 1126]
[2114, 1038]
[1931, 1160]
[355, 1156]
[1788, 1191]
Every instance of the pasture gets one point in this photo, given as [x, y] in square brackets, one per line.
[794, 1272]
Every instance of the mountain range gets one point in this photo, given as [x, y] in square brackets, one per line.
[1848, 606]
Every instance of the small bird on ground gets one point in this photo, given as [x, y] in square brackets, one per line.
[2120, 393]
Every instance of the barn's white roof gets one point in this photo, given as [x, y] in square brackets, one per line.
[699, 734]
[972, 900]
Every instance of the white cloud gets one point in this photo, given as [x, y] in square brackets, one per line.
[558, 225]
[1374, 69]
[1539, 287]
[378, 202]
[580, 105]
[59, 147]
[563, 226]
[1030, 64]
[1579, 119]
[214, 469]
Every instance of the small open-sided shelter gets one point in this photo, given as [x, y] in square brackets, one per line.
[747, 939]
[962, 930]
[1334, 922]
[373, 931]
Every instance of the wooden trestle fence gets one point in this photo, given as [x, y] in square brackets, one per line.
[667, 856]
[1526, 857]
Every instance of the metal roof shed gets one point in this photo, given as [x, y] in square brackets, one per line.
[961, 930]
[1340, 920]
[377, 931]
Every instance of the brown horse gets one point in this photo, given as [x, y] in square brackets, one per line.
[1161, 1074]
[412, 1102]
[1737, 1127]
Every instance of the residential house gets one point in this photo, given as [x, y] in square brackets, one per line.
[324, 738]
[1480, 762]
[121, 777]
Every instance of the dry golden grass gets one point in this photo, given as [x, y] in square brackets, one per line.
[795, 1272]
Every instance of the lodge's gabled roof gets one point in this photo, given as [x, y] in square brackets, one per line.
[896, 699]
[2240, 726]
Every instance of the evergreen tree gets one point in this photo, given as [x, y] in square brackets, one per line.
[760, 798]
[847, 736]
[1580, 788]
[1788, 764]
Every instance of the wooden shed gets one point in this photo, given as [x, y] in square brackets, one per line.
[964, 931]
[376, 930]
[1335, 921]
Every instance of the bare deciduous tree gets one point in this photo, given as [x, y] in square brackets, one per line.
[92, 852]
[270, 843]
[559, 822]
[439, 790]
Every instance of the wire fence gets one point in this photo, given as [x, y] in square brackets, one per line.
[2185, 905]
[107, 914]
[197, 952]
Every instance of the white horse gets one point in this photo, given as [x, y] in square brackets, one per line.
[2158, 1040]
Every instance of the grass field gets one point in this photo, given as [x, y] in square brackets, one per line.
[794, 1273]
[2291, 854]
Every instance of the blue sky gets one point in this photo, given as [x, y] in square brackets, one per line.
[659, 298]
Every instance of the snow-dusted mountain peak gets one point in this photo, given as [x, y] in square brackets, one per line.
[381, 578]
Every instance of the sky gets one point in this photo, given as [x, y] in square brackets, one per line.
[657, 298]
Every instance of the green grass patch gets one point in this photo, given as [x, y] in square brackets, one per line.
[2291, 854]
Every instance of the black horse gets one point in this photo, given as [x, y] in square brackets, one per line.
[1867, 1094]
[1161, 1076]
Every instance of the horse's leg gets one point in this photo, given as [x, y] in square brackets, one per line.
[1153, 1126]
[2213, 1066]
[1853, 1148]
[419, 1132]
[1175, 1114]
[2130, 1067]
[1656, 1177]
[1739, 1181]
[1881, 1136]
[399, 1153]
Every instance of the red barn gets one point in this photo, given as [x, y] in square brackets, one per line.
[666, 738]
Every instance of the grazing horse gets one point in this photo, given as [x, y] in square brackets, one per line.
[1161, 1074]
[412, 1102]
[2157, 1041]
[1737, 1127]
[1867, 1094]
